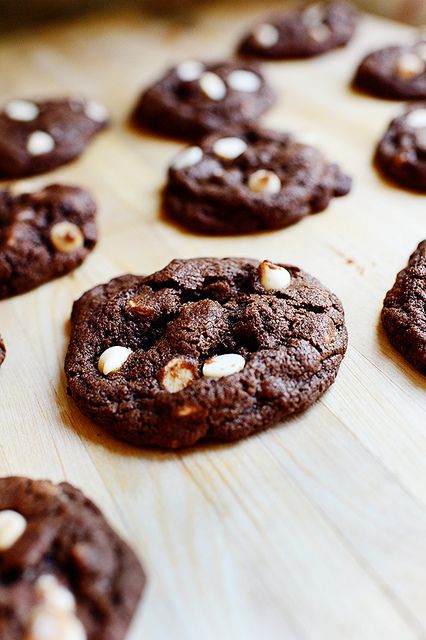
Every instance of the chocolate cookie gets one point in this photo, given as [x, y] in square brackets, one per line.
[302, 32]
[2, 351]
[194, 98]
[64, 573]
[38, 136]
[43, 235]
[206, 348]
[250, 180]
[404, 310]
[401, 153]
[397, 73]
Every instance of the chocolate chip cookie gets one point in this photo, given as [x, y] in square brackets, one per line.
[397, 72]
[43, 235]
[401, 153]
[64, 572]
[2, 351]
[302, 32]
[194, 98]
[206, 348]
[248, 180]
[404, 310]
[41, 135]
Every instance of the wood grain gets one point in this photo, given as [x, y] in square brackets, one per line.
[315, 529]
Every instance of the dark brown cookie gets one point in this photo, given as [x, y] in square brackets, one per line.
[193, 99]
[2, 351]
[206, 348]
[401, 153]
[64, 572]
[43, 235]
[302, 32]
[250, 180]
[404, 310]
[397, 73]
[38, 136]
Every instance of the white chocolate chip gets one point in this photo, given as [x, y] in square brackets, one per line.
[66, 237]
[187, 158]
[177, 374]
[263, 181]
[313, 15]
[243, 80]
[189, 70]
[96, 111]
[12, 526]
[409, 65]
[274, 277]
[212, 86]
[224, 365]
[40, 142]
[266, 35]
[416, 119]
[320, 32]
[229, 148]
[53, 594]
[21, 110]
[47, 624]
[113, 359]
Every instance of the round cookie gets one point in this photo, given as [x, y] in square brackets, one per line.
[401, 153]
[193, 99]
[2, 351]
[404, 310]
[206, 348]
[64, 572]
[249, 180]
[43, 235]
[41, 135]
[396, 73]
[302, 32]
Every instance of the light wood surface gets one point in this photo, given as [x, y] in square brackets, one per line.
[315, 529]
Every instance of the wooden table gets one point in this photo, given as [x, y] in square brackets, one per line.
[315, 529]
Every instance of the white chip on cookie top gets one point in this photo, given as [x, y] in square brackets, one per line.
[229, 148]
[409, 65]
[223, 365]
[187, 158]
[212, 86]
[273, 276]
[313, 15]
[96, 111]
[263, 181]
[416, 119]
[53, 594]
[113, 359]
[177, 374]
[66, 237]
[320, 32]
[21, 110]
[266, 35]
[39, 143]
[243, 80]
[189, 70]
[12, 526]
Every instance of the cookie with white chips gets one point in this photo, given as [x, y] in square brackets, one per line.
[40, 135]
[206, 348]
[249, 180]
[195, 98]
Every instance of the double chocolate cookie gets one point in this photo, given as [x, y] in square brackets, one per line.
[401, 153]
[193, 99]
[40, 135]
[2, 351]
[43, 235]
[302, 32]
[204, 349]
[249, 180]
[404, 310]
[397, 73]
[64, 573]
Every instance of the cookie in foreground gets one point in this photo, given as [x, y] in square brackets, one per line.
[43, 235]
[64, 572]
[249, 180]
[404, 310]
[205, 349]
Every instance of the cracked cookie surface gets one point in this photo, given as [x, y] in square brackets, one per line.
[43, 235]
[40, 135]
[404, 310]
[203, 349]
[194, 99]
[64, 572]
[249, 180]
[302, 32]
